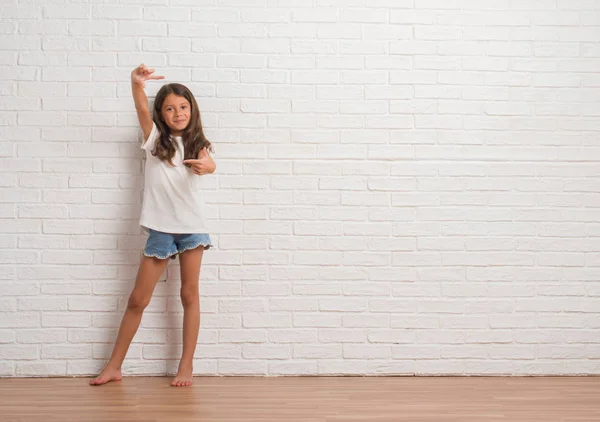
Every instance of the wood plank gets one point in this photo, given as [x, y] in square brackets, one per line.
[303, 399]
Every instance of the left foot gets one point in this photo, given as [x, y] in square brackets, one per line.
[184, 376]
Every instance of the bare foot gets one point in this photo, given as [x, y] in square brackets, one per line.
[107, 375]
[184, 376]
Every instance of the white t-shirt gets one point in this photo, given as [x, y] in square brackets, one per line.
[173, 200]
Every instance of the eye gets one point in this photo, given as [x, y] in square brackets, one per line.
[184, 107]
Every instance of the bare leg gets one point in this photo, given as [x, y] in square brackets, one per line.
[147, 277]
[190, 261]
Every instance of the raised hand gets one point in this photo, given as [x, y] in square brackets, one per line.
[141, 74]
[203, 165]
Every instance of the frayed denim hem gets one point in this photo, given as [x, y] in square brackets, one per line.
[153, 255]
[206, 246]
[172, 256]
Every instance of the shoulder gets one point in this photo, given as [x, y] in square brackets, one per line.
[149, 143]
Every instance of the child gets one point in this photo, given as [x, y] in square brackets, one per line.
[176, 154]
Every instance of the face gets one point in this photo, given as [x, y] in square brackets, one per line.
[176, 113]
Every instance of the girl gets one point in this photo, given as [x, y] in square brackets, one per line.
[176, 154]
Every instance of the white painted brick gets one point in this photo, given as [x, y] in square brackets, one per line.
[8, 304]
[7, 211]
[293, 336]
[323, 14]
[157, 13]
[342, 336]
[17, 353]
[216, 45]
[317, 351]
[20, 42]
[75, 12]
[22, 226]
[66, 196]
[266, 320]
[365, 320]
[60, 257]
[65, 43]
[263, 351]
[216, 15]
[252, 15]
[19, 320]
[66, 288]
[269, 46]
[292, 30]
[437, 33]
[320, 320]
[48, 368]
[264, 289]
[98, 304]
[166, 45]
[261, 76]
[46, 149]
[416, 352]
[70, 319]
[242, 305]
[42, 211]
[242, 30]
[345, 93]
[117, 12]
[42, 303]
[62, 181]
[370, 351]
[141, 28]
[293, 368]
[95, 27]
[241, 367]
[65, 351]
[42, 336]
[244, 336]
[393, 336]
[52, 27]
[265, 106]
[28, 58]
[314, 77]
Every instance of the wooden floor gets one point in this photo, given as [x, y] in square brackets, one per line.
[294, 399]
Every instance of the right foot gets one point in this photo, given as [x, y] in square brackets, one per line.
[107, 375]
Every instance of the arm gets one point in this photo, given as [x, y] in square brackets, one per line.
[203, 165]
[139, 76]
[211, 164]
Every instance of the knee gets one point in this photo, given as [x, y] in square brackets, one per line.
[190, 296]
[137, 302]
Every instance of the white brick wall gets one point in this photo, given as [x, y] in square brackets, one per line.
[403, 186]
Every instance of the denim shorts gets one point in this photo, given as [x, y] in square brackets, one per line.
[167, 245]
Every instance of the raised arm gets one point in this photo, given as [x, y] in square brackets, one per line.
[139, 76]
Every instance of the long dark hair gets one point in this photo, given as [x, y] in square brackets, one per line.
[193, 138]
